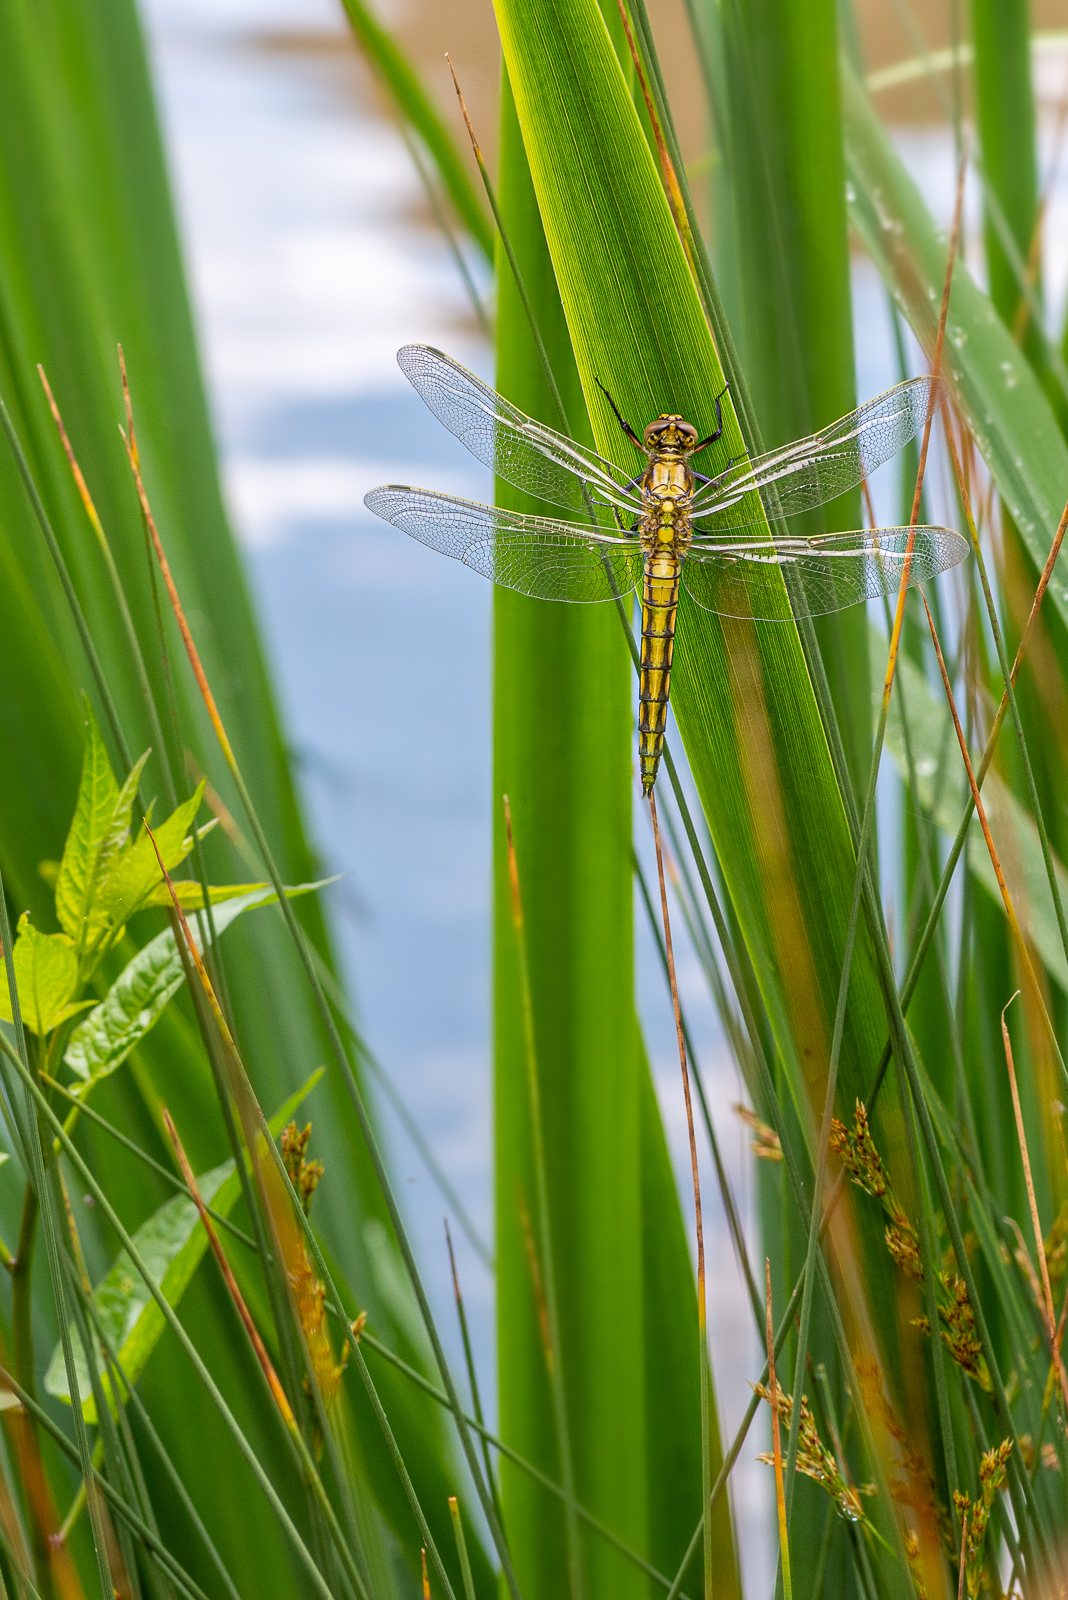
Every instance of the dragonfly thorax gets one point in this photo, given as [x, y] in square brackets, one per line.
[667, 478]
[670, 435]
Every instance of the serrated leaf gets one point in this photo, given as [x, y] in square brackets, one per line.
[171, 1244]
[46, 973]
[97, 794]
[135, 873]
[139, 995]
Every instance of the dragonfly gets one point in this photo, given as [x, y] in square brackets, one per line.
[668, 524]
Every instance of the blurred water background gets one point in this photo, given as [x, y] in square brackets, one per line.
[311, 260]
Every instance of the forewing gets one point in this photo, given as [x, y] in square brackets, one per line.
[812, 471]
[523, 452]
[534, 555]
[746, 579]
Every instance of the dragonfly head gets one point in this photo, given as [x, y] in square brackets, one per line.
[671, 434]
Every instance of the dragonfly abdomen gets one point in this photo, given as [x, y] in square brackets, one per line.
[660, 599]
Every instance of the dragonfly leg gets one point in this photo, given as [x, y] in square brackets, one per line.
[623, 423]
[634, 527]
[704, 443]
[722, 476]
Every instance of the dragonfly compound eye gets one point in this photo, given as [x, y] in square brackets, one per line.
[670, 433]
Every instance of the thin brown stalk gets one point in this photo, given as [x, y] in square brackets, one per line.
[475, 146]
[963, 1554]
[72, 460]
[1058, 1339]
[273, 1380]
[702, 1310]
[1047, 1292]
[131, 433]
[176, 605]
[680, 1038]
[936, 372]
[1036, 605]
[513, 262]
[667, 166]
[776, 1443]
[426, 1575]
[869, 504]
[551, 1323]
[194, 953]
[980, 810]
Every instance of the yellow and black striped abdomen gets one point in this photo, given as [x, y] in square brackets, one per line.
[660, 599]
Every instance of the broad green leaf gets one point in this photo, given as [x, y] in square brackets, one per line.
[562, 755]
[97, 795]
[943, 789]
[795, 326]
[113, 846]
[139, 995]
[117, 837]
[172, 1244]
[1005, 114]
[46, 972]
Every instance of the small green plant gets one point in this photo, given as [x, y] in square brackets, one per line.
[109, 872]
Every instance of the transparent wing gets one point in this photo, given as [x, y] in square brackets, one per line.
[535, 555]
[523, 452]
[812, 471]
[824, 574]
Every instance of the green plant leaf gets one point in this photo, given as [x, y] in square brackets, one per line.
[141, 992]
[46, 973]
[99, 826]
[132, 877]
[172, 1244]
[562, 755]
[98, 795]
[136, 873]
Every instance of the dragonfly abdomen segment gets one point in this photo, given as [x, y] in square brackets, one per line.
[660, 600]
